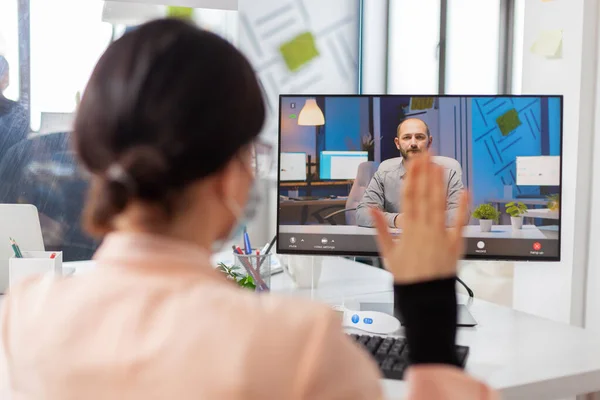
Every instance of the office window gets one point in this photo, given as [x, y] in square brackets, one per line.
[472, 46]
[9, 44]
[517, 66]
[414, 35]
[221, 22]
[471, 54]
[67, 37]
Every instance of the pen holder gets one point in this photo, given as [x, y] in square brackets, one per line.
[34, 263]
[256, 266]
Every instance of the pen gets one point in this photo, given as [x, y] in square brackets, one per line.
[247, 245]
[260, 283]
[265, 252]
[271, 244]
[258, 263]
[16, 248]
[244, 261]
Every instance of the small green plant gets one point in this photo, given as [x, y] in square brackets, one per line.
[553, 202]
[515, 209]
[232, 273]
[486, 211]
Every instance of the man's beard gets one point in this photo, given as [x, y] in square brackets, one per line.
[406, 154]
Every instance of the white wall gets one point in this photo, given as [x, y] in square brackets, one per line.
[557, 290]
[592, 304]
[264, 25]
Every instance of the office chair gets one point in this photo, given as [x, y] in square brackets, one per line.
[363, 178]
[365, 172]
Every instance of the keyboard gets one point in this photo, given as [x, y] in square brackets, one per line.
[305, 198]
[391, 354]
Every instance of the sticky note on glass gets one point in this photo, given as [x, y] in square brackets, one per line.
[180, 12]
[299, 51]
[548, 43]
[421, 103]
[508, 122]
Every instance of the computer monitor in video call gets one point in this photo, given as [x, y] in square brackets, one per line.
[339, 155]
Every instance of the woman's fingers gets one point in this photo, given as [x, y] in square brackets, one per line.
[409, 194]
[422, 179]
[437, 189]
[460, 220]
[384, 238]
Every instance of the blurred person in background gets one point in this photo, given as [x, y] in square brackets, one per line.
[14, 122]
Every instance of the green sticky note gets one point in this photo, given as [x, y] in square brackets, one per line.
[508, 122]
[293, 116]
[180, 12]
[299, 51]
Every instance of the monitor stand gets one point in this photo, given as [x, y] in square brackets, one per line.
[464, 318]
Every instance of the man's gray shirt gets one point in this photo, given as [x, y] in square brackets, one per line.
[384, 190]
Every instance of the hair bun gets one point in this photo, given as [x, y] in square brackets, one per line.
[147, 169]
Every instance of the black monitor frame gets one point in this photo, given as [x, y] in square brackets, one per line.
[283, 250]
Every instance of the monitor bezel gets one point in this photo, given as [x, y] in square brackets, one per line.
[343, 253]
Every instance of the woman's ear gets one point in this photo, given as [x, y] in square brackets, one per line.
[229, 181]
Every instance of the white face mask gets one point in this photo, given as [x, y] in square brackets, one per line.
[261, 166]
[242, 216]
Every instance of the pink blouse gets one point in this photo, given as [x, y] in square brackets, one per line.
[156, 321]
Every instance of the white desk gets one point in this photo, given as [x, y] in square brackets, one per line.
[470, 231]
[527, 202]
[543, 213]
[523, 356]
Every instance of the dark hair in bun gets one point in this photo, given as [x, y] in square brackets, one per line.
[167, 105]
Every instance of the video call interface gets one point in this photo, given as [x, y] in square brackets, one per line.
[341, 155]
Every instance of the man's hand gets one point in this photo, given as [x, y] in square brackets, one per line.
[427, 250]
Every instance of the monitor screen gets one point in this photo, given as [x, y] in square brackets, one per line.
[506, 150]
[292, 167]
[341, 164]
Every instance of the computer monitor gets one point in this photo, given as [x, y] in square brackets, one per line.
[506, 150]
[292, 167]
[341, 165]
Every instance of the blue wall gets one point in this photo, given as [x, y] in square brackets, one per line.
[554, 117]
[494, 154]
[344, 122]
[296, 138]
[390, 118]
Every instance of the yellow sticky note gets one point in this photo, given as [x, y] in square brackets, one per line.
[548, 43]
[180, 12]
[421, 103]
[299, 51]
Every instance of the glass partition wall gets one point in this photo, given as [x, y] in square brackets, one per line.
[53, 46]
[296, 47]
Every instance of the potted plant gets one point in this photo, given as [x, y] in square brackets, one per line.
[486, 214]
[553, 202]
[516, 211]
[368, 145]
[232, 273]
